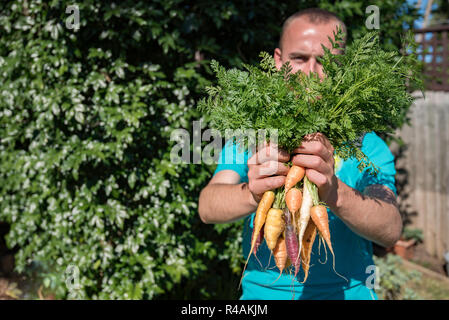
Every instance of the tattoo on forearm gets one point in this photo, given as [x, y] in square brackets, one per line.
[380, 192]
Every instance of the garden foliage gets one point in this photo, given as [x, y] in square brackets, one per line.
[394, 279]
[85, 121]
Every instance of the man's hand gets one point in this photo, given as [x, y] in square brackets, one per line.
[316, 155]
[267, 170]
[373, 215]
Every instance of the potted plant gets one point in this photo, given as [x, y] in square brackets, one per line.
[405, 247]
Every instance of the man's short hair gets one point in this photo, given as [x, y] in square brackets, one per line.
[314, 16]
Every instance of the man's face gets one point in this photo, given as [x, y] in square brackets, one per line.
[301, 45]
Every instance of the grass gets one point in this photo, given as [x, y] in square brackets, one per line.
[405, 280]
[425, 264]
[428, 287]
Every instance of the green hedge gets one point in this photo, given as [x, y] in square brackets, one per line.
[85, 122]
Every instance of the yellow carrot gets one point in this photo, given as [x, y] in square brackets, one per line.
[261, 214]
[274, 226]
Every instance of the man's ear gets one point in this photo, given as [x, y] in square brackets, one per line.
[278, 58]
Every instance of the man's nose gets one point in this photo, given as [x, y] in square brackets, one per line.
[312, 66]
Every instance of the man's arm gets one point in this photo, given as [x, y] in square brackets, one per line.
[224, 199]
[372, 214]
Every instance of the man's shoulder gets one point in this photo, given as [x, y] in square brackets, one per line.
[375, 146]
[372, 138]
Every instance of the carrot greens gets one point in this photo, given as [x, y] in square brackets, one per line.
[364, 89]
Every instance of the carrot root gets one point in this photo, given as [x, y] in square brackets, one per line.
[259, 220]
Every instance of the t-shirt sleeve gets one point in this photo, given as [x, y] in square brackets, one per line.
[378, 153]
[231, 158]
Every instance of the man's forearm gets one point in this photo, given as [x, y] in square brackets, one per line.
[222, 203]
[365, 214]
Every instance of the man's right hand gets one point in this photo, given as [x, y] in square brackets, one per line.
[267, 170]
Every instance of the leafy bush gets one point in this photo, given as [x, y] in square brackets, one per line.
[86, 117]
[393, 279]
[413, 233]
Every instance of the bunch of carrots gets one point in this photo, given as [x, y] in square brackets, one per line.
[289, 219]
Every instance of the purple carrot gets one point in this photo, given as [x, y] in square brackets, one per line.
[291, 241]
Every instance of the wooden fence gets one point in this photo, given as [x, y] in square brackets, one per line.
[425, 164]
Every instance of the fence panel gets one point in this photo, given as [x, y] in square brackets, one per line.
[426, 163]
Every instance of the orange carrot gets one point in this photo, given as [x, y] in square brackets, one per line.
[319, 217]
[294, 175]
[280, 255]
[261, 214]
[259, 220]
[274, 226]
[309, 238]
[293, 199]
[318, 213]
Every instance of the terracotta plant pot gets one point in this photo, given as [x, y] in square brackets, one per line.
[405, 248]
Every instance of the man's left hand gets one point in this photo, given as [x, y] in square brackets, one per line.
[316, 155]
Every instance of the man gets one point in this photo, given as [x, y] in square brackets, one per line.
[363, 208]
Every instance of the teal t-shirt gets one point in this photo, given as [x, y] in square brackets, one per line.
[353, 254]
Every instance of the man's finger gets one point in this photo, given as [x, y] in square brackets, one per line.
[270, 183]
[316, 177]
[312, 162]
[319, 148]
[270, 168]
[269, 153]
